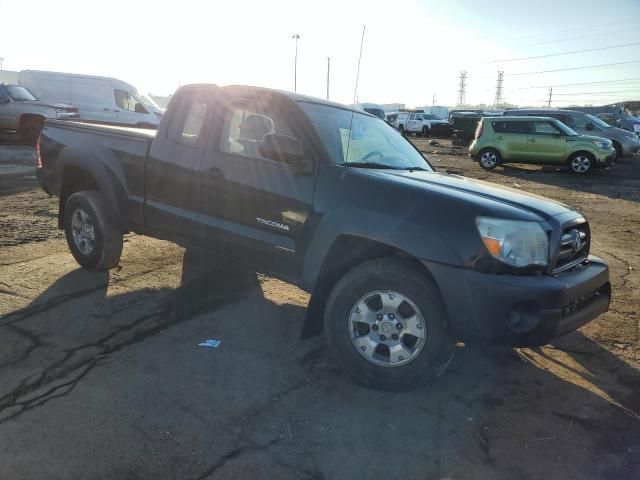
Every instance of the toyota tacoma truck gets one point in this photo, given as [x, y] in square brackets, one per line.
[22, 112]
[401, 261]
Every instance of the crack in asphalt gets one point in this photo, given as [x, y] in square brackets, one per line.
[144, 327]
[235, 453]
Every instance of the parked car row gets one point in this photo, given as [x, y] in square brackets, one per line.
[52, 95]
[419, 123]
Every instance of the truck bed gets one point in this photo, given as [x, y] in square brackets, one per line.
[104, 129]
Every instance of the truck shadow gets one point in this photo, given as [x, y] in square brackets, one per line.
[621, 181]
[498, 411]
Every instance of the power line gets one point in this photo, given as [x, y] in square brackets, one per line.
[589, 35]
[601, 93]
[573, 68]
[565, 30]
[575, 84]
[561, 53]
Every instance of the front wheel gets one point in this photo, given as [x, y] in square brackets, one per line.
[30, 131]
[425, 131]
[386, 325]
[93, 239]
[581, 163]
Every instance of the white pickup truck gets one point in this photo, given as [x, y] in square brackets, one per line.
[417, 123]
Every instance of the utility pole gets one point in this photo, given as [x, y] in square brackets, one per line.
[328, 70]
[462, 89]
[433, 100]
[550, 94]
[498, 100]
[296, 37]
[1, 62]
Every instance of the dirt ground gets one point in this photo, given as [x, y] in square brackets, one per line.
[102, 376]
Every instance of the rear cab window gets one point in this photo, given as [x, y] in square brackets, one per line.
[187, 120]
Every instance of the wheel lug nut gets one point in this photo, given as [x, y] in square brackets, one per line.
[392, 316]
[394, 336]
[374, 328]
[379, 316]
[383, 337]
[399, 326]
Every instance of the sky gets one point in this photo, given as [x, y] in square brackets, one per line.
[412, 50]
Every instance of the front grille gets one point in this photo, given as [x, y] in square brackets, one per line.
[574, 247]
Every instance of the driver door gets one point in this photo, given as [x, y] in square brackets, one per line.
[251, 208]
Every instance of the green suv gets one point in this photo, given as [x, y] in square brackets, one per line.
[537, 140]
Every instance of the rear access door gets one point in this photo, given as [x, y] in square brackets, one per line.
[172, 175]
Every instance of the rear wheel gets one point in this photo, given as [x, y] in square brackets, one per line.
[93, 239]
[581, 162]
[386, 325]
[401, 129]
[489, 158]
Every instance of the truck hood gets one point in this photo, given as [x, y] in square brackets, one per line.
[529, 202]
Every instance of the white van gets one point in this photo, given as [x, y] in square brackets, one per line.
[98, 99]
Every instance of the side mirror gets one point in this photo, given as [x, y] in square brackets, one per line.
[139, 108]
[590, 126]
[283, 148]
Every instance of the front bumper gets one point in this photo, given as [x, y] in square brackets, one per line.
[523, 310]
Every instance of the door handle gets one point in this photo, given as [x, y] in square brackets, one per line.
[499, 137]
[106, 109]
[532, 140]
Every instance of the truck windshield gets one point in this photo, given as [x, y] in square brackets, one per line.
[19, 94]
[358, 140]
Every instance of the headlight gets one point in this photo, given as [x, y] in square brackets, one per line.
[606, 144]
[515, 242]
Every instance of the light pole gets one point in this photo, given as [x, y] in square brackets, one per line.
[1, 62]
[296, 37]
[328, 69]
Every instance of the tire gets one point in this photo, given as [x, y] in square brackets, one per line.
[426, 132]
[581, 163]
[367, 357]
[30, 132]
[401, 129]
[489, 158]
[93, 239]
[618, 149]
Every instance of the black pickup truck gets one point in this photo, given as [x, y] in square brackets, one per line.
[401, 261]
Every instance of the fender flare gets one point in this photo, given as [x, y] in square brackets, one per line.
[104, 168]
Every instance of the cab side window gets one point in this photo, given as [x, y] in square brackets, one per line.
[187, 121]
[125, 100]
[245, 126]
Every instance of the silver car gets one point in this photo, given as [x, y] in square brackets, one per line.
[625, 142]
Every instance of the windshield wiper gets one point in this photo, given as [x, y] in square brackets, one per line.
[372, 165]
